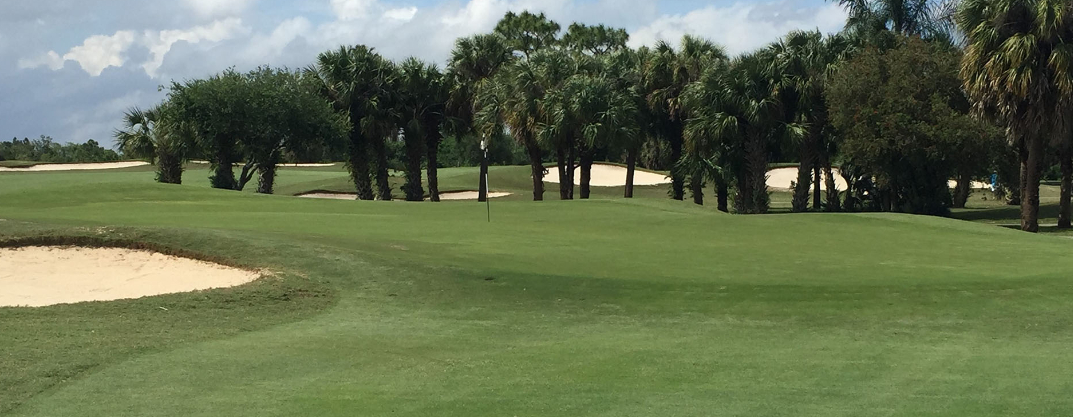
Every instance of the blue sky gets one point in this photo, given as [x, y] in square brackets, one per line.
[69, 68]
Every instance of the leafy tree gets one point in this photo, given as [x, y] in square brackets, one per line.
[903, 117]
[45, 149]
[290, 114]
[527, 33]
[219, 111]
[595, 40]
[1018, 69]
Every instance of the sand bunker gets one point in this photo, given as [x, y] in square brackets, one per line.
[469, 195]
[457, 195]
[305, 165]
[76, 167]
[42, 276]
[779, 179]
[604, 175]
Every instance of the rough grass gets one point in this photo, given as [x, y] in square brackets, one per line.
[598, 308]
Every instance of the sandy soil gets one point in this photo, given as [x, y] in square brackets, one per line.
[460, 195]
[604, 175]
[41, 276]
[76, 167]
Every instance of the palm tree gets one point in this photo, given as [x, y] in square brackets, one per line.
[1018, 69]
[473, 62]
[155, 134]
[670, 73]
[802, 62]
[424, 98]
[512, 102]
[871, 21]
[356, 79]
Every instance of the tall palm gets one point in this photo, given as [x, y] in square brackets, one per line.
[512, 102]
[424, 97]
[871, 21]
[1018, 68]
[473, 62]
[355, 80]
[155, 134]
[559, 128]
[670, 73]
[802, 62]
[734, 116]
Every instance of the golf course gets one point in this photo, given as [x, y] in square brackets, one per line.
[600, 307]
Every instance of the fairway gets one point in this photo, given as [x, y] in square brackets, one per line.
[605, 307]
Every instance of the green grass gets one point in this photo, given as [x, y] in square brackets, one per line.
[608, 307]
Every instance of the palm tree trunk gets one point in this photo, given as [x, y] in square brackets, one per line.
[564, 181]
[483, 192]
[224, 172]
[432, 148]
[571, 171]
[414, 155]
[1065, 221]
[752, 183]
[677, 177]
[631, 169]
[804, 179]
[536, 163]
[962, 189]
[722, 194]
[1032, 169]
[833, 202]
[359, 165]
[383, 187]
[169, 167]
[586, 172]
[816, 169]
[267, 174]
[696, 187]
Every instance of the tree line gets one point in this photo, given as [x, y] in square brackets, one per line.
[910, 95]
[45, 149]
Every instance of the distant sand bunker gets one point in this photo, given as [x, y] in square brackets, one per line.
[780, 179]
[604, 175]
[76, 167]
[46, 275]
[458, 195]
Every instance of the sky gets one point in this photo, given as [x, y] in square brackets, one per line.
[70, 68]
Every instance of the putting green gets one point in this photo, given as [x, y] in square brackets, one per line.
[607, 307]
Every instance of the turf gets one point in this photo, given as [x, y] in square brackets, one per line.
[608, 307]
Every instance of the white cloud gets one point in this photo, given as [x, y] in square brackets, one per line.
[101, 51]
[741, 27]
[218, 8]
[352, 9]
[159, 43]
[405, 14]
[50, 59]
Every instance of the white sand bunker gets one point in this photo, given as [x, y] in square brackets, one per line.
[303, 165]
[76, 167]
[457, 195]
[605, 175]
[780, 178]
[46, 275]
[469, 195]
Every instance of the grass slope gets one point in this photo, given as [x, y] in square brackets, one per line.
[607, 307]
